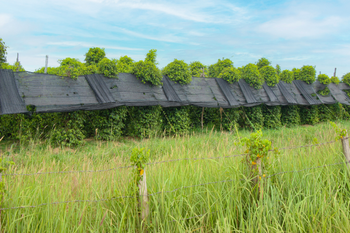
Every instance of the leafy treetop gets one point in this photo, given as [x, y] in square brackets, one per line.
[324, 79]
[218, 67]
[252, 76]
[263, 62]
[3, 51]
[197, 68]
[307, 74]
[94, 55]
[287, 76]
[346, 78]
[269, 74]
[152, 56]
[278, 69]
[124, 64]
[230, 74]
[335, 80]
[178, 71]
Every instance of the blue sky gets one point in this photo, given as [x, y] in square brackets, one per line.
[288, 33]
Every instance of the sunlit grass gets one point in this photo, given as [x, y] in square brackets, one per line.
[312, 200]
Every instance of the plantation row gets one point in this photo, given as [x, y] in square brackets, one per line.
[71, 128]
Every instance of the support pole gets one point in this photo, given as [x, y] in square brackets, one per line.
[202, 117]
[143, 201]
[257, 180]
[46, 62]
[335, 72]
[346, 149]
[17, 62]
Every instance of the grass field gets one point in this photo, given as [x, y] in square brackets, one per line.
[311, 200]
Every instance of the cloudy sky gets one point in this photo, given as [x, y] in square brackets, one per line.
[288, 33]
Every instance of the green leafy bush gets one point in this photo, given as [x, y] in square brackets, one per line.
[324, 113]
[124, 64]
[335, 80]
[324, 92]
[94, 55]
[176, 120]
[229, 118]
[287, 76]
[197, 68]
[296, 74]
[3, 51]
[144, 122]
[219, 66]
[324, 79]
[310, 114]
[151, 56]
[307, 74]
[263, 62]
[230, 74]
[252, 76]
[15, 67]
[346, 78]
[290, 115]
[278, 69]
[147, 72]
[272, 116]
[269, 74]
[108, 68]
[252, 118]
[178, 71]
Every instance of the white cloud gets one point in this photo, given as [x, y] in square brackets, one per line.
[89, 45]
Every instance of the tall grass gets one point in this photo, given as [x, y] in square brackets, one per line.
[314, 200]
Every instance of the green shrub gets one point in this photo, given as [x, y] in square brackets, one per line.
[290, 115]
[324, 92]
[324, 79]
[307, 74]
[15, 67]
[178, 71]
[324, 113]
[197, 68]
[287, 76]
[263, 62]
[147, 72]
[252, 76]
[144, 122]
[309, 115]
[230, 74]
[335, 80]
[252, 118]
[94, 55]
[296, 74]
[151, 56]
[176, 120]
[269, 74]
[3, 51]
[124, 64]
[346, 79]
[108, 68]
[219, 66]
[278, 69]
[106, 124]
[272, 116]
[229, 118]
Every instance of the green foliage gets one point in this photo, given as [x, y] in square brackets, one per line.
[94, 55]
[310, 115]
[257, 148]
[15, 67]
[176, 120]
[3, 51]
[151, 56]
[269, 74]
[139, 158]
[324, 113]
[263, 62]
[252, 76]
[346, 79]
[278, 69]
[144, 122]
[287, 76]
[108, 68]
[324, 92]
[124, 64]
[341, 133]
[335, 80]
[230, 74]
[229, 118]
[219, 66]
[147, 72]
[324, 79]
[197, 68]
[290, 115]
[296, 74]
[178, 71]
[252, 117]
[307, 74]
[106, 124]
[272, 116]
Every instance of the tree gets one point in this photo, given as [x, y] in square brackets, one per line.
[3, 51]
[263, 62]
[217, 68]
[152, 56]
[95, 55]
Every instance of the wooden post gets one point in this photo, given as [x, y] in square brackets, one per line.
[46, 62]
[346, 149]
[17, 61]
[258, 177]
[202, 117]
[143, 201]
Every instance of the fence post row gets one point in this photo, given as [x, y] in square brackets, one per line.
[346, 149]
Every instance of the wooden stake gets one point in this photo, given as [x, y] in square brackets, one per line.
[335, 72]
[143, 202]
[257, 179]
[346, 149]
[202, 118]
[46, 63]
